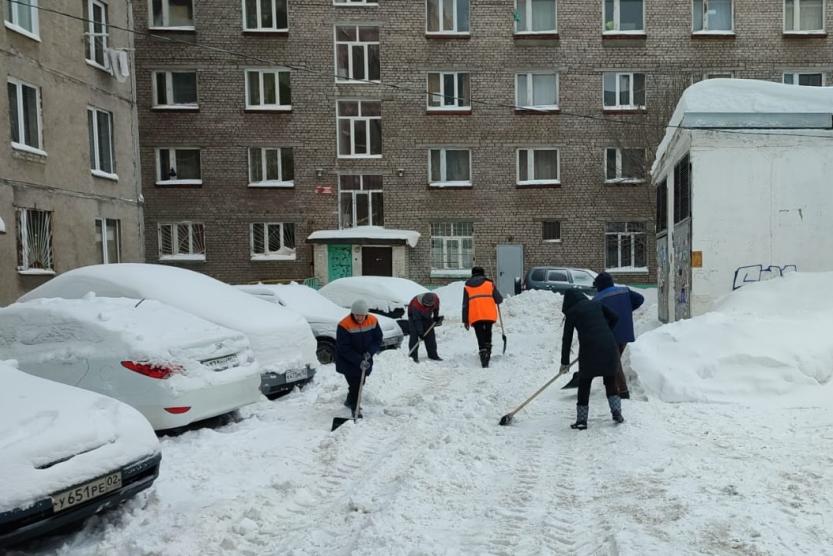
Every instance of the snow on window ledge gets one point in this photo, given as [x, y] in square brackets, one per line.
[449, 184]
[450, 273]
[273, 184]
[179, 182]
[199, 258]
[36, 272]
[273, 257]
[184, 106]
[105, 175]
[628, 270]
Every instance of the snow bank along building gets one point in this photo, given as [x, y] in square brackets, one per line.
[506, 134]
[742, 183]
[69, 175]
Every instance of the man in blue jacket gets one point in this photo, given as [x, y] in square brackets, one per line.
[358, 339]
[623, 301]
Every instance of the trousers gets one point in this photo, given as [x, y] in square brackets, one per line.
[483, 331]
[584, 388]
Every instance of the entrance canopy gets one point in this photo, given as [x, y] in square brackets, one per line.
[365, 235]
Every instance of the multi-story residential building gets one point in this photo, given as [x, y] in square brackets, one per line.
[69, 177]
[506, 133]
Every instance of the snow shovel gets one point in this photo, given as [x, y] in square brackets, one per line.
[507, 419]
[421, 338]
[502, 331]
[338, 421]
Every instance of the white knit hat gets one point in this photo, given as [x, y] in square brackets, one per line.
[359, 307]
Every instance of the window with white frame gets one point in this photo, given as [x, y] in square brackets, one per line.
[624, 16]
[100, 130]
[271, 167]
[624, 91]
[178, 166]
[357, 53]
[449, 167]
[447, 16]
[805, 79]
[108, 240]
[356, 2]
[711, 16]
[182, 241]
[624, 165]
[359, 129]
[268, 89]
[360, 201]
[265, 15]
[272, 241]
[97, 32]
[452, 247]
[625, 247]
[536, 91]
[25, 116]
[551, 231]
[538, 166]
[449, 91]
[22, 16]
[803, 16]
[172, 14]
[34, 241]
[535, 16]
[719, 75]
[174, 90]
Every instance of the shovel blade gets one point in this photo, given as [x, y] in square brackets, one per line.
[506, 420]
[338, 421]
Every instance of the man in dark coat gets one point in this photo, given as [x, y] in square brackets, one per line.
[423, 311]
[358, 339]
[480, 300]
[597, 353]
[623, 301]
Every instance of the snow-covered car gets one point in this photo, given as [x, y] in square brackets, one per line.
[66, 454]
[173, 367]
[385, 295]
[322, 315]
[281, 339]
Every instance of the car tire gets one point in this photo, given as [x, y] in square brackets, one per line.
[326, 351]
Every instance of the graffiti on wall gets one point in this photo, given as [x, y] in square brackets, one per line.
[663, 277]
[758, 273]
[682, 270]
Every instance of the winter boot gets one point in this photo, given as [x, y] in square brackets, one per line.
[581, 417]
[615, 403]
[488, 353]
[484, 358]
[435, 358]
[415, 357]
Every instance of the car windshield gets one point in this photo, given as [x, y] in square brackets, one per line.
[582, 278]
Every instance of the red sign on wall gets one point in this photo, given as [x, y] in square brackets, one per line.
[324, 189]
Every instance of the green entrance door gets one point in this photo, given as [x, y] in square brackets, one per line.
[339, 262]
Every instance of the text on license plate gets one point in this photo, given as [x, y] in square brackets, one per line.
[88, 491]
[295, 374]
[222, 363]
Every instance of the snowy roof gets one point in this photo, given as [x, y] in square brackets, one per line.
[366, 233]
[745, 102]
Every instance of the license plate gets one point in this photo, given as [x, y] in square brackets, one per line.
[295, 374]
[222, 363]
[85, 492]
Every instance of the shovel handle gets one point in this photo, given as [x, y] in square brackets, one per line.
[541, 389]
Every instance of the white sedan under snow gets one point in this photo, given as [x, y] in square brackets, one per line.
[66, 454]
[172, 366]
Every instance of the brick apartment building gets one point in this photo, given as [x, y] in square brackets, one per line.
[264, 121]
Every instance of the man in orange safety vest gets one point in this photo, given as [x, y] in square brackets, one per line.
[480, 300]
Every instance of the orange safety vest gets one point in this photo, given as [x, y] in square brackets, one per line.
[482, 304]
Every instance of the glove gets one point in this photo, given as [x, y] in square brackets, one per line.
[366, 356]
[564, 369]
[466, 325]
[438, 320]
[364, 365]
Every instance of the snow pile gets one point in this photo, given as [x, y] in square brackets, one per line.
[383, 293]
[43, 422]
[451, 300]
[766, 340]
[367, 232]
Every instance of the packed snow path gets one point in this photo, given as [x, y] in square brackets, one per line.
[429, 471]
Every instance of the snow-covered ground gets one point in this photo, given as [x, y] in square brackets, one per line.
[429, 471]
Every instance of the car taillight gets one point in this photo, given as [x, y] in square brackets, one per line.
[178, 410]
[149, 369]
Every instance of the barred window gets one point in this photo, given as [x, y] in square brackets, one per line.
[182, 241]
[452, 246]
[34, 240]
[272, 241]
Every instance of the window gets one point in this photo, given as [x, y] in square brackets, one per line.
[662, 206]
[449, 91]
[271, 167]
[360, 201]
[582, 278]
[450, 167]
[535, 16]
[357, 53]
[557, 276]
[272, 241]
[624, 165]
[359, 129]
[25, 116]
[625, 248]
[264, 15]
[624, 91]
[536, 91]
[182, 241]
[108, 240]
[719, 75]
[100, 129]
[175, 90]
[452, 248]
[537, 166]
[34, 241]
[172, 14]
[551, 231]
[22, 16]
[356, 2]
[178, 166]
[97, 33]
[711, 16]
[268, 90]
[623, 16]
[806, 79]
[448, 16]
[682, 190]
[802, 16]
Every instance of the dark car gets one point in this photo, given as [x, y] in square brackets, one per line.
[559, 279]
